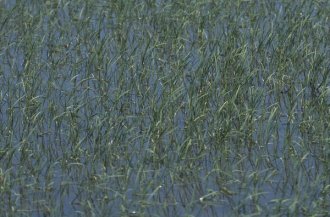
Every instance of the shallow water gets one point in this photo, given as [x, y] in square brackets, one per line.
[163, 110]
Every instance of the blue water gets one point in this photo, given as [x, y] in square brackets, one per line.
[80, 185]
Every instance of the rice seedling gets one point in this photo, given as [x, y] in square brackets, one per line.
[164, 108]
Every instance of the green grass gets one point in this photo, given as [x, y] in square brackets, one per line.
[164, 108]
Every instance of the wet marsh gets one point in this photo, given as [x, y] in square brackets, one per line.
[164, 108]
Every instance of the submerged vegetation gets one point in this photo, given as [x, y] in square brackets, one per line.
[164, 108]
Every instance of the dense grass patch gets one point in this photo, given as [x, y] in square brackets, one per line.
[164, 108]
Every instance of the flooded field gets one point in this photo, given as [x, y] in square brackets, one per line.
[164, 108]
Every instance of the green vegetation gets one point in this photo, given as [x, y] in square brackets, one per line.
[165, 108]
